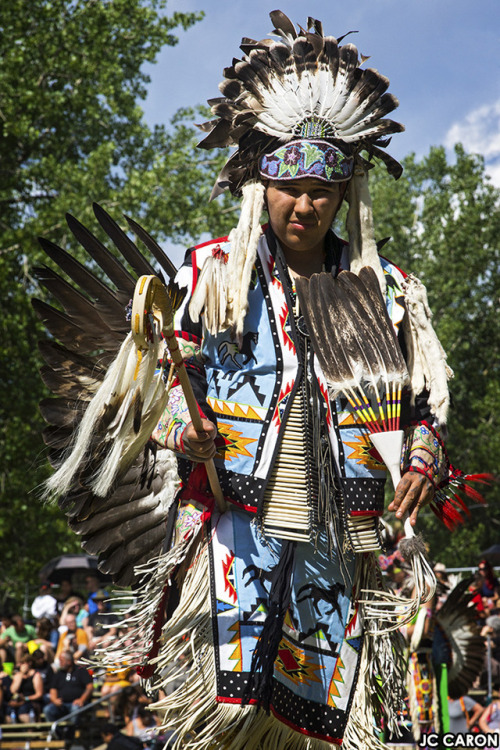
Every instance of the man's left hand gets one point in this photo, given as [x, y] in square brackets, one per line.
[413, 492]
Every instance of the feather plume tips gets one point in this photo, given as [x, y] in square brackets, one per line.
[355, 343]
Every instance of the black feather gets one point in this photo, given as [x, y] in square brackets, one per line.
[114, 270]
[304, 56]
[123, 243]
[282, 24]
[153, 247]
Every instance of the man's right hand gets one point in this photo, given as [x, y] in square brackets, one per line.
[200, 446]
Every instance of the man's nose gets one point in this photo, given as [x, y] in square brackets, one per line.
[303, 204]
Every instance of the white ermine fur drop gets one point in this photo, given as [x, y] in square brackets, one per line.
[426, 357]
[359, 224]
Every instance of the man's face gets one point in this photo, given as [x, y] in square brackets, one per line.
[65, 662]
[302, 211]
[92, 583]
[71, 623]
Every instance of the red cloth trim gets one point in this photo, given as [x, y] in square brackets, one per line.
[249, 508]
[365, 513]
[147, 670]
[210, 242]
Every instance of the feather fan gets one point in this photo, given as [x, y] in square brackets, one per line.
[458, 642]
[113, 496]
[355, 343]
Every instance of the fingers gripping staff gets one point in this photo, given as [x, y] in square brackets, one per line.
[152, 308]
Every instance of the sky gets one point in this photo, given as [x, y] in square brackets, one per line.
[441, 57]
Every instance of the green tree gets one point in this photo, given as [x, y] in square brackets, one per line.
[72, 132]
[444, 220]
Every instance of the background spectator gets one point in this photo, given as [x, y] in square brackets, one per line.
[43, 667]
[142, 726]
[129, 702]
[72, 606]
[5, 694]
[489, 721]
[45, 604]
[44, 639]
[26, 692]
[72, 639]
[464, 713]
[116, 740]
[488, 586]
[6, 651]
[102, 624]
[65, 592]
[17, 636]
[92, 585]
[71, 688]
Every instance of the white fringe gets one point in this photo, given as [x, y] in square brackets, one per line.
[211, 296]
[222, 289]
[381, 674]
[426, 357]
[359, 224]
[384, 611]
[138, 609]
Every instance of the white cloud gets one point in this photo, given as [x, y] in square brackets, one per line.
[479, 132]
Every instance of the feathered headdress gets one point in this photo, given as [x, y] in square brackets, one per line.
[299, 87]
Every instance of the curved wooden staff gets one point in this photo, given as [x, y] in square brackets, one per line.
[152, 298]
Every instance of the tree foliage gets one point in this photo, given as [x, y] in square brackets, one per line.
[444, 220]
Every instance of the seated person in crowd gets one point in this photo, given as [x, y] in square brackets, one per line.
[5, 694]
[71, 688]
[46, 672]
[26, 691]
[72, 606]
[45, 604]
[129, 702]
[6, 651]
[488, 585]
[65, 593]
[102, 624]
[93, 586]
[17, 636]
[116, 740]
[43, 640]
[142, 726]
[72, 639]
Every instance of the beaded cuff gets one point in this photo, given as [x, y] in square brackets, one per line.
[424, 452]
[169, 431]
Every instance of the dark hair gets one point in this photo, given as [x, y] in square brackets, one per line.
[109, 728]
[488, 569]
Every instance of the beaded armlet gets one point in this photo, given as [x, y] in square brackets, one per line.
[170, 429]
[424, 452]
